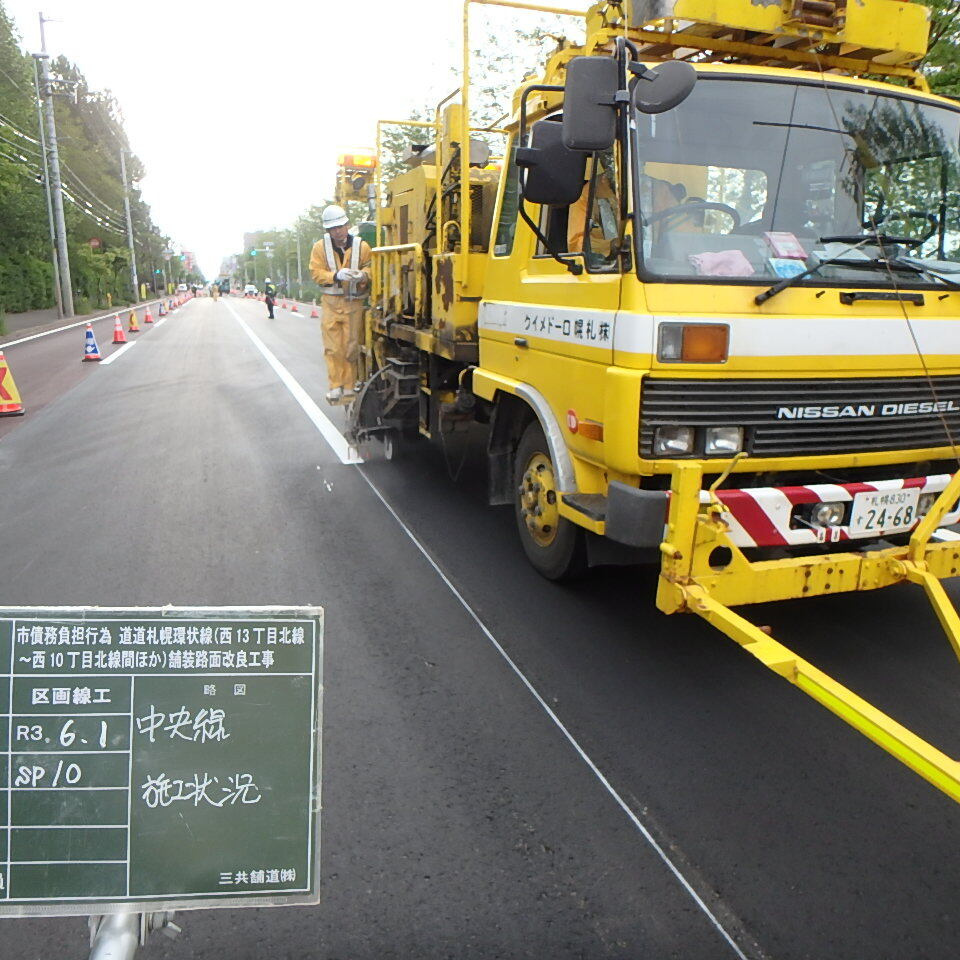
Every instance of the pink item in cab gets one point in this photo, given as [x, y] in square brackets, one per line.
[725, 263]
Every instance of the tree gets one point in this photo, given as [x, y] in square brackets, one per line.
[942, 64]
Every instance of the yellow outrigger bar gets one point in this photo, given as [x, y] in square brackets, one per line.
[689, 581]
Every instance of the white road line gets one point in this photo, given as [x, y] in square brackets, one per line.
[345, 453]
[113, 356]
[634, 819]
[70, 326]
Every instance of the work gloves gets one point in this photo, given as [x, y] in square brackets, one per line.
[346, 275]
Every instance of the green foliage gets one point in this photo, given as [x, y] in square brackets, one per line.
[91, 135]
[942, 63]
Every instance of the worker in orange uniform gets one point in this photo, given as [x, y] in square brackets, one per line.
[340, 264]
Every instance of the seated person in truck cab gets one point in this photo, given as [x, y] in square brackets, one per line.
[592, 227]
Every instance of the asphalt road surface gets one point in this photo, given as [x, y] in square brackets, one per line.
[511, 768]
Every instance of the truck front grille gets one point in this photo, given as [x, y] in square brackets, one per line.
[809, 417]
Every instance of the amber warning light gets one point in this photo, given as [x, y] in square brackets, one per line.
[693, 342]
[357, 161]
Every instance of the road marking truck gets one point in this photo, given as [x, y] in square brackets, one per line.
[707, 304]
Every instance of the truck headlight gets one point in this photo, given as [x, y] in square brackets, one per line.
[723, 440]
[673, 440]
[829, 514]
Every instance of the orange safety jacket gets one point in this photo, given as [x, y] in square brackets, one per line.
[325, 261]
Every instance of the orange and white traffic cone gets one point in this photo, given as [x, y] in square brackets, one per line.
[148, 316]
[118, 335]
[314, 313]
[10, 405]
[134, 323]
[90, 349]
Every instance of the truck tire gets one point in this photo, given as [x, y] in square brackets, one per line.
[553, 544]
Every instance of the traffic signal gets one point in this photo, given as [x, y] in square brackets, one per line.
[253, 253]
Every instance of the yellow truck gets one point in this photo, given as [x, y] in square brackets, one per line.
[706, 302]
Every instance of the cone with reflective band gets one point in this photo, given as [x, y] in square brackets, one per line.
[10, 405]
[314, 313]
[283, 305]
[90, 349]
[118, 335]
[134, 323]
[148, 316]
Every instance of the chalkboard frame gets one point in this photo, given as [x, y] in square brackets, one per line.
[50, 907]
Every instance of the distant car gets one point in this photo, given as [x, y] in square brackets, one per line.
[250, 290]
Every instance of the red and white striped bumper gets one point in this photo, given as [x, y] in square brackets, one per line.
[761, 516]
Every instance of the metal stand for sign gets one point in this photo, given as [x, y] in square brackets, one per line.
[116, 936]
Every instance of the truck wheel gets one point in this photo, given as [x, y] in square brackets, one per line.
[553, 544]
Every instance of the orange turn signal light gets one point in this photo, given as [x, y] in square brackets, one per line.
[357, 160]
[693, 342]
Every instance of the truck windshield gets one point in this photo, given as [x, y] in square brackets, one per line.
[750, 180]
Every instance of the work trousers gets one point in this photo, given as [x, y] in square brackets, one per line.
[270, 302]
[341, 321]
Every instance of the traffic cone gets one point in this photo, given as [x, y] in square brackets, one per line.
[118, 335]
[10, 405]
[161, 310]
[90, 349]
[148, 316]
[134, 324]
[314, 313]
[294, 308]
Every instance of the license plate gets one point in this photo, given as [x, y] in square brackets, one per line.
[884, 511]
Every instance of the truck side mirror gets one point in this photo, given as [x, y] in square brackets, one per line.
[589, 103]
[554, 174]
[663, 88]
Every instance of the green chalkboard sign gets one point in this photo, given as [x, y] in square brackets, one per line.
[158, 758]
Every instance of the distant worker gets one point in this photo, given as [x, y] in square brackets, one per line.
[340, 264]
[270, 296]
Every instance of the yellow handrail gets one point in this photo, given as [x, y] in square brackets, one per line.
[386, 253]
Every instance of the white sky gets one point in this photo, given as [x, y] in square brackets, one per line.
[233, 159]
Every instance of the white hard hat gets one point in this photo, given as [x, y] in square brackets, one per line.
[268, 280]
[334, 216]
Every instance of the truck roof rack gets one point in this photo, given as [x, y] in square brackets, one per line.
[862, 37]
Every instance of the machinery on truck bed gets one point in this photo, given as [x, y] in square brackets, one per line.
[714, 323]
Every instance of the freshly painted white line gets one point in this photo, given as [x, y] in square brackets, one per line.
[634, 819]
[339, 445]
[345, 453]
[113, 356]
[70, 326]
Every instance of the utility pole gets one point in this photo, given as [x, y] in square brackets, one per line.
[58, 293]
[126, 207]
[56, 185]
[299, 264]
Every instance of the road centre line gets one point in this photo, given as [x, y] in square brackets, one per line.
[345, 453]
[79, 323]
[116, 353]
[584, 756]
[339, 444]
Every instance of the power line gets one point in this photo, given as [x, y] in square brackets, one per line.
[18, 146]
[17, 130]
[36, 174]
